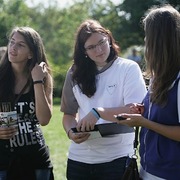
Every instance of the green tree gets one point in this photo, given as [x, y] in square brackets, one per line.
[131, 13]
[12, 13]
[58, 26]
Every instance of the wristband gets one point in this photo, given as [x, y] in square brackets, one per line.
[38, 82]
[68, 133]
[95, 113]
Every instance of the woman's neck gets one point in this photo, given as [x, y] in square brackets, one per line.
[99, 67]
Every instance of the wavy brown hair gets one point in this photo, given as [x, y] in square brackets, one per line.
[84, 69]
[162, 42]
[7, 77]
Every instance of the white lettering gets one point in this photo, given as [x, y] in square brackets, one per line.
[29, 128]
[13, 142]
[23, 140]
[32, 107]
[22, 128]
[21, 104]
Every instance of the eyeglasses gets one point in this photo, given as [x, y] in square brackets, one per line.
[101, 44]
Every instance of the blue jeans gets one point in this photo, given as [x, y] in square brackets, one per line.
[41, 174]
[104, 171]
[3, 175]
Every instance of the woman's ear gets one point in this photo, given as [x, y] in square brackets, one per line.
[86, 55]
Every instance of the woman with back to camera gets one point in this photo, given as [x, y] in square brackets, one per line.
[160, 119]
[26, 86]
[97, 86]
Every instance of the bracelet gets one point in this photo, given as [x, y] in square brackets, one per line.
[95, 113]
[38, 82]
[68, 133]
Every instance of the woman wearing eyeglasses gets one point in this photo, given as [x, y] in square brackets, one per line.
[98, 85]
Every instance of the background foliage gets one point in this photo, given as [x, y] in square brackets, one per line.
[58, 25]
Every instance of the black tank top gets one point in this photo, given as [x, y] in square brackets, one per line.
[28, 144]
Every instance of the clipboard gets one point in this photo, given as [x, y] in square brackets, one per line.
[107, 129]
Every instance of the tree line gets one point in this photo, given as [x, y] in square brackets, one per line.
[57, 25]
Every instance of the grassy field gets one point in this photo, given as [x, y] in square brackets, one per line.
[58, 143]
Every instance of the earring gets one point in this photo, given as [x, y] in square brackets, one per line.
[86, 56]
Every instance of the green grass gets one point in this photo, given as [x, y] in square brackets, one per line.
[58, 143]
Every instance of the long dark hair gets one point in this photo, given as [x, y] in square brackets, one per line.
[84, 69]
[162, 41]
[7, 77]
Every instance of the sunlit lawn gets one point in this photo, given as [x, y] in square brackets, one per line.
[58, 143]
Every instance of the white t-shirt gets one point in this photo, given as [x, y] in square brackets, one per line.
[120, 84]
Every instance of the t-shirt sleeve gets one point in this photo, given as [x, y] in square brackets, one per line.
[69, 104]
[134, 85]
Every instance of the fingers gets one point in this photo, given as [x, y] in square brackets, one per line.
[7, 132]
[39, 72]
[80, 137]
[132, 120]
[84, 127]
[87, 123]
[43, 66]
[137, 108]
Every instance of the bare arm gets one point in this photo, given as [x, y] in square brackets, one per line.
[172, 132]
[169, 131]
[69, 121]
[43, 103]
[108, 113]
[88, 122]
[43, 97]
